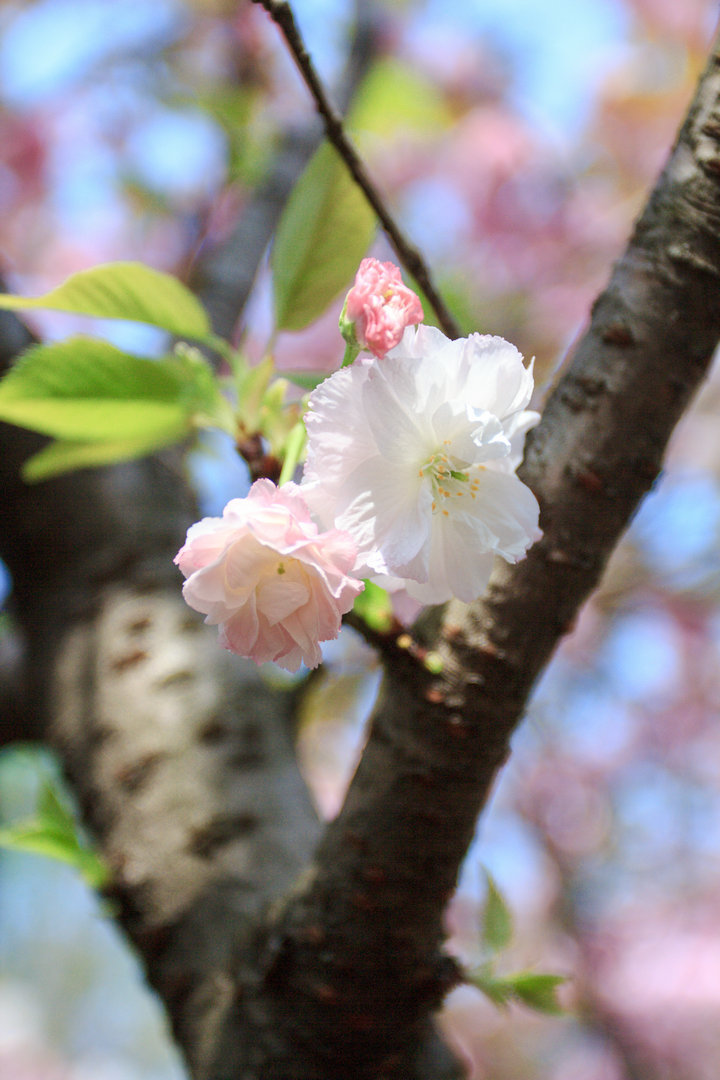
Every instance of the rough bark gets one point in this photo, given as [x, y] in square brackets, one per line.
[181, 758]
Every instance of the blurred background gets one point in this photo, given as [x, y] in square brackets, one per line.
[515, 140]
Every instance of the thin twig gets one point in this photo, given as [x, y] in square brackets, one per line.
[281, 13]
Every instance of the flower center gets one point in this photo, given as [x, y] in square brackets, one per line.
[449, 478]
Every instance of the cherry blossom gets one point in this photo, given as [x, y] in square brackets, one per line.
[268, 578]
[415, 457]
[379, 307]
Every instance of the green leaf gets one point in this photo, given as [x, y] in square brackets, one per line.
[84, 390]
[493, 986]
[294, 447]
[201, 388]
[53, 832]
[497, 920]
[105, 405]
[53, 811]
[537, 990]
[124, 290]
[325, 230]
[374, 606]
[60, 457]
[252, 382]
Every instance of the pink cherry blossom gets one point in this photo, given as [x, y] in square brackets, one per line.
[380, 306]
[264, 574]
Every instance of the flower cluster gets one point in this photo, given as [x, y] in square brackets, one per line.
[410, 472]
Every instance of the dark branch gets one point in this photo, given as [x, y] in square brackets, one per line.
[409, 256]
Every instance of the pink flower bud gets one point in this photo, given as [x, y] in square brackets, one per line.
[265, 575]
[379, 307]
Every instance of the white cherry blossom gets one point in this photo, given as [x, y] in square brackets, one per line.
[414, 455]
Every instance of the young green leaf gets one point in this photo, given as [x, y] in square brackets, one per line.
[201, 388]
[53, 832]
[124, 290]
[494, 987]
[252, 382]
[61, 456]
[537, 990]
[104, 405]
[497, 920]
[294, 447]
[54, 813]
[325, 230]
[85, 390]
